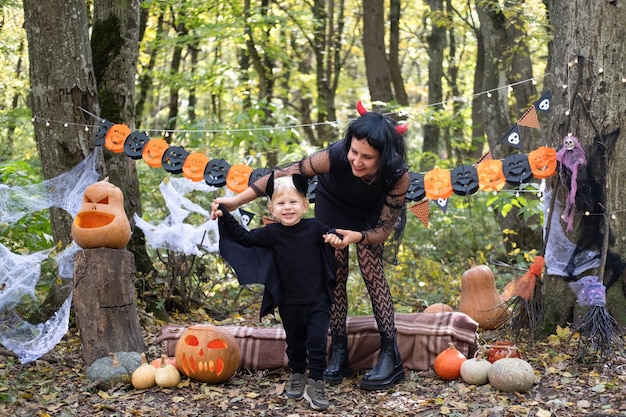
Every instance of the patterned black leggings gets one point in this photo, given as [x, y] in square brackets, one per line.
[370, 259]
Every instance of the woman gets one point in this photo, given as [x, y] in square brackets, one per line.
[362, 183]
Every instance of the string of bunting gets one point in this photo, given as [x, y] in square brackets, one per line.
[437, 185]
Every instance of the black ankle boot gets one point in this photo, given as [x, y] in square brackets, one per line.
[339, 365]
[388, 370]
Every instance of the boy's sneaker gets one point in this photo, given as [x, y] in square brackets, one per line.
[315, 394]
[295, 385]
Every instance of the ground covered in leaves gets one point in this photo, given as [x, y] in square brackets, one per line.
[56, 385]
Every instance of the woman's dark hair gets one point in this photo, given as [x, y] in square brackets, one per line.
[381, 134]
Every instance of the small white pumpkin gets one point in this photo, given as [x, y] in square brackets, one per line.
[475, 371]
[511, 375]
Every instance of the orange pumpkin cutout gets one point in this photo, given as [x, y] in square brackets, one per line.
[194, 165]
[438, 184]
[115, 138]
[101, 221]
[207, 354]
[237, 178]
[490, 175]
[542, 162]
[153, 152]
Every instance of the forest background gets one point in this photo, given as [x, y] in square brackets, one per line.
[268, 82]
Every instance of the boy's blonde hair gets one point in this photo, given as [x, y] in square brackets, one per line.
[283, 184]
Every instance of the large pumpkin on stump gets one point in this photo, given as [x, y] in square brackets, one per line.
[101, 221]
[207, 354]
[480, 298]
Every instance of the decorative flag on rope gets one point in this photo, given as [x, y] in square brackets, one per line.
[442, 203]
[529, 118]
[543, 104]
[421, 211]
[485, 157]
[513, 138]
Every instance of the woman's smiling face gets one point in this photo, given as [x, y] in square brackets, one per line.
[363, 158]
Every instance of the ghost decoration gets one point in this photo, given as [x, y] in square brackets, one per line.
[571, 157]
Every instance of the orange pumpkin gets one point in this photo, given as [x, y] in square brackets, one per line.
[237, 178]
[448, 363]
[542, 162]
[153, 152]
[194, 165]
[438, 184]
[101, 221]
[115, 138]
[206, 353]
[490, 175]
[480, 298]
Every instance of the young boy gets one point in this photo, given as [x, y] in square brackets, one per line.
[305, 279]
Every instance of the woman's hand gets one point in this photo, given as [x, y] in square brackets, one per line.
[348, 237]
[229, 202]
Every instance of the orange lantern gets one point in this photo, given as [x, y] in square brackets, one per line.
[206, 353]
[490, 175]
[438, 184]
[194, 165]
[115, 138]
[237, 178]
[542, 162]
[101, 221]
[153, 152]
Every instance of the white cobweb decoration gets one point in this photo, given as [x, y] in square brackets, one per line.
[20, 273]
[172, 233]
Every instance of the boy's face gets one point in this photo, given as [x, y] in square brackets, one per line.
[288, 207]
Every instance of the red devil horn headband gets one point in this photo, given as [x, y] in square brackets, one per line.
[400, 128]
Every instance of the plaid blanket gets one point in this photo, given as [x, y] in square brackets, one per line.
[421, 337]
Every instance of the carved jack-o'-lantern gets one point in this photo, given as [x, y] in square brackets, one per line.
[194, 165]
[543, 162]
[115, 138]
[490, 175]
[237, 177]
[153, 152]
[101, 221]
[516, 169]
[464, 180]
[206, 353]
[438, 184]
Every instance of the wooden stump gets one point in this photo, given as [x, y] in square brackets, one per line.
[104, 303]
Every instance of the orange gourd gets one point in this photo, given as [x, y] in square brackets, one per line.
[101, 221]
[207, 354]
[448, 363]
[480, 298]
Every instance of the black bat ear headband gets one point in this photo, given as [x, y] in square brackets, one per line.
[299, 181]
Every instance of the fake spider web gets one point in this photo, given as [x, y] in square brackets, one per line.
[19, 274]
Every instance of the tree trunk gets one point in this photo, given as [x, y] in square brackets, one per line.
[394, 55]
[62, 82]
[590, 63]
[104, 303]
[115, 40]
[376, 65]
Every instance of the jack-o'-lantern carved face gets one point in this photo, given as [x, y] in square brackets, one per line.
[173, 159]
[206, 353]
[464, 180]
[101, 221]
[237, 177]
[194, 165]
[153, 152]
[490, 175]
[543, 162]
[516, 169]
[438, 184]
[134, 144]
[115, 138]
[416, 190]
[215, 172]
